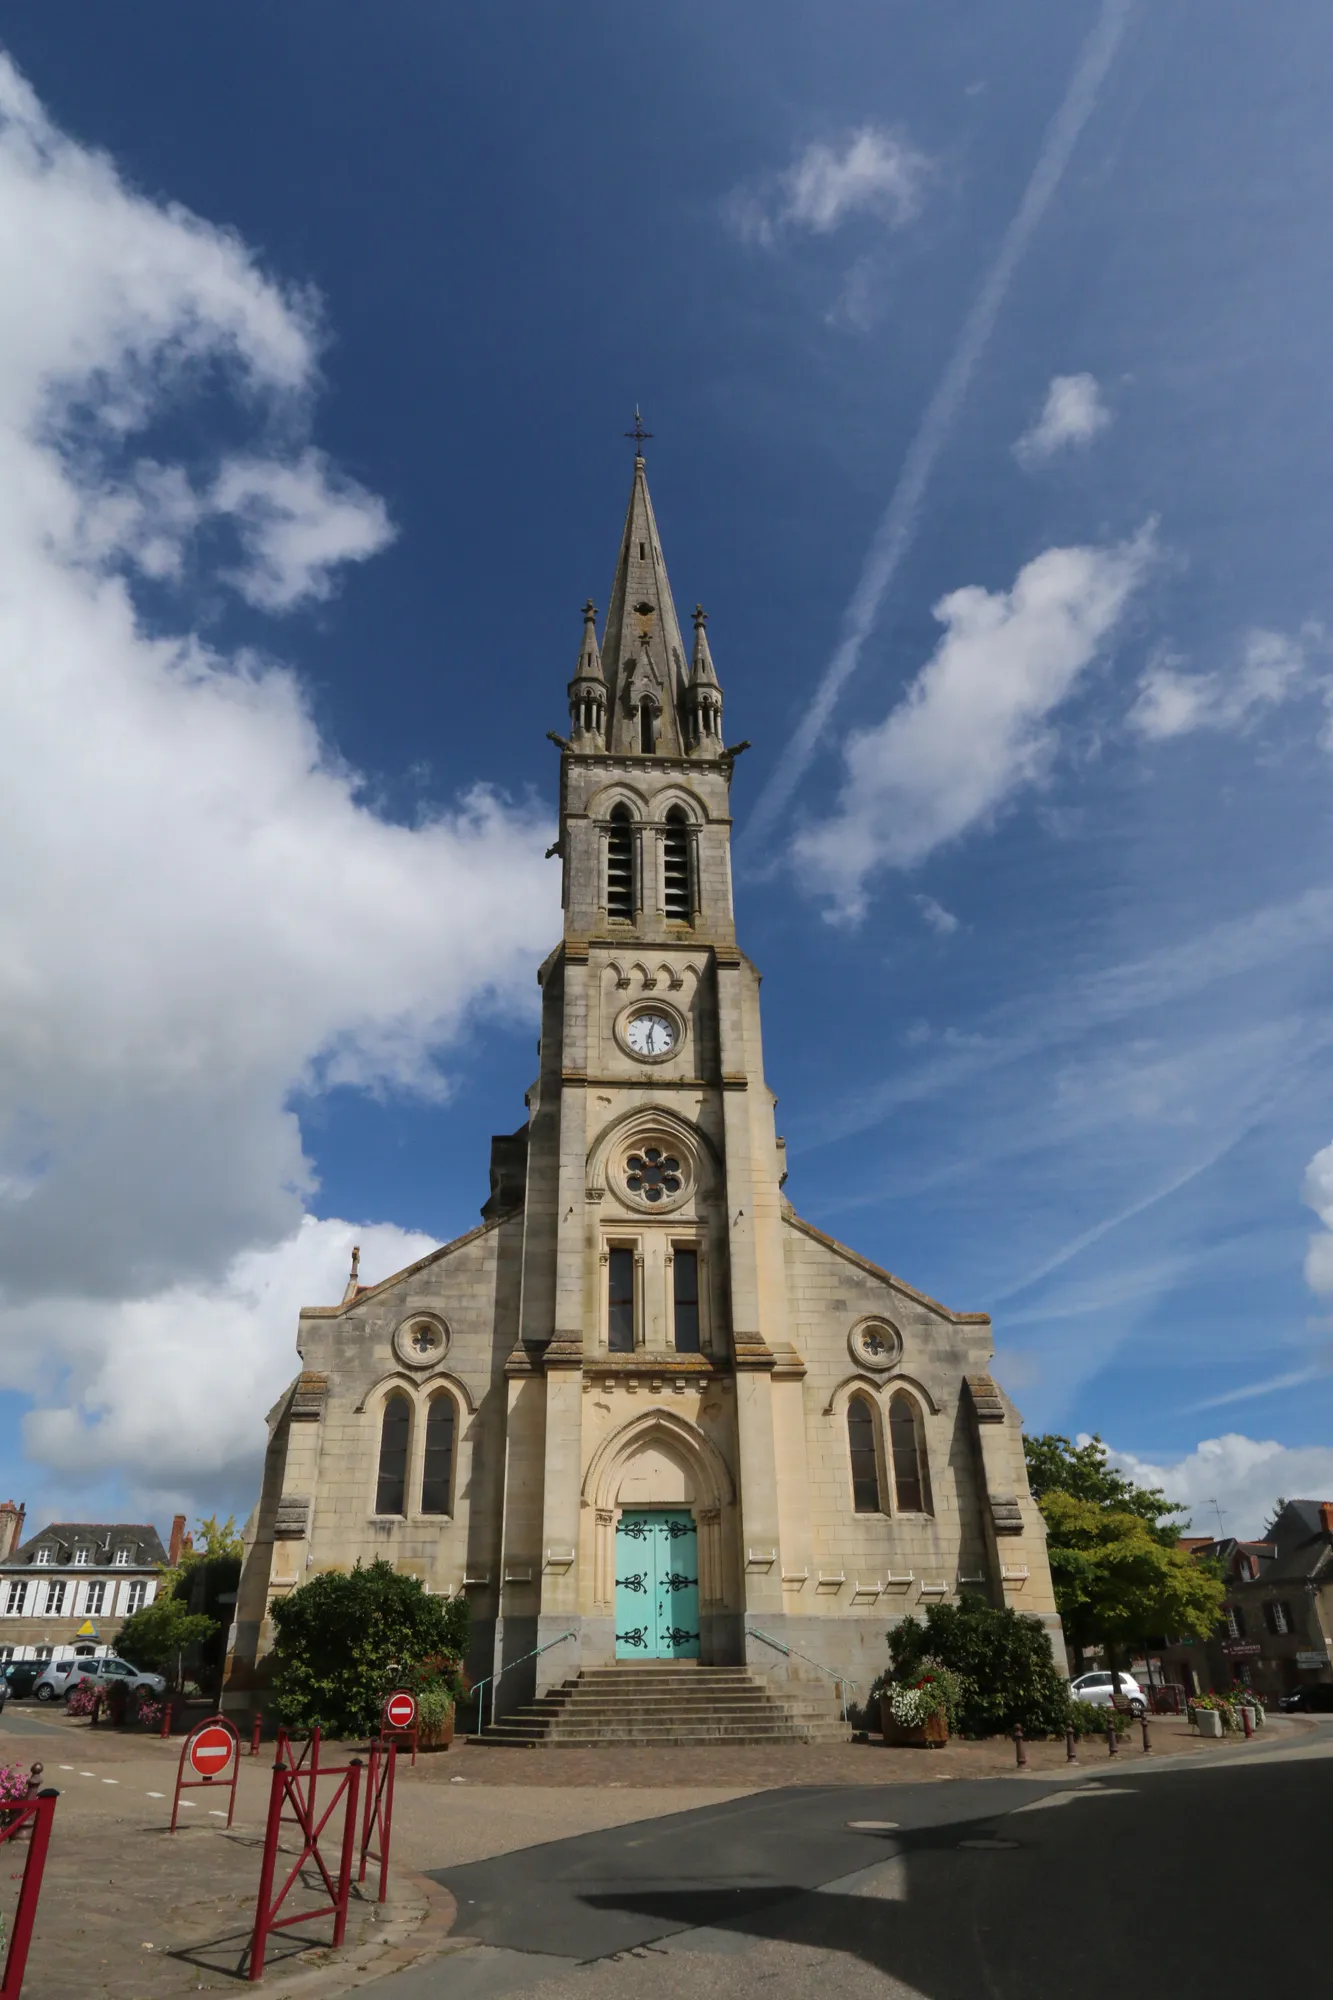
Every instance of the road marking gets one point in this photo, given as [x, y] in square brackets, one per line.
[157, 1795]
[214, 1813]
[873, 1825]
[67, 1767]
[1084, 1792]
[87, 1774]
[111, 1781]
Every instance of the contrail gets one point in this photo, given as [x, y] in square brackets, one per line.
[897, 529]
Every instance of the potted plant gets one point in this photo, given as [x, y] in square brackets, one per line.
[1209, 1714]
[13, 1791]
[919, 1709]
[438, 1681]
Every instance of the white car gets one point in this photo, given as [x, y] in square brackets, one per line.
[59, 1676]
[1095, 1689]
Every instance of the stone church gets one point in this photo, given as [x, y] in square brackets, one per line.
[645, 1412]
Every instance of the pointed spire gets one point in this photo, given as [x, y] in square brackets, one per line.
[703, 699]
[701, 668]
[587, 690]
[643, 655]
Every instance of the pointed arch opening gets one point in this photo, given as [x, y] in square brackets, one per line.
[677, 900]
[911, 1472]
[395, 1435]
[620, 865]
[647, 728]
[863, 1448]
[437, 1467]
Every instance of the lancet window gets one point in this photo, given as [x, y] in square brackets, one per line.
[437, 1469]
[676, 867]
[620, 866]
[864, 1455]
[911, 1476]
[395, 1430]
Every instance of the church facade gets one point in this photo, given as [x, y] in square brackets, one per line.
[644, 1411]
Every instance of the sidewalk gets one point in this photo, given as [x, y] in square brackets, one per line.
[131, 1912]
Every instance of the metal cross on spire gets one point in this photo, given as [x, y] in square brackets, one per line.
[638, 433]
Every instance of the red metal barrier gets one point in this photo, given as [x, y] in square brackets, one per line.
[295, 1787]
[33, 1821]
[212, 1747]
[377, 1823]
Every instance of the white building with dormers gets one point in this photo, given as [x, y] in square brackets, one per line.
[71, 1587]
[645, 1412]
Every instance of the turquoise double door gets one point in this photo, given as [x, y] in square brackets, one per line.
[657, 1585]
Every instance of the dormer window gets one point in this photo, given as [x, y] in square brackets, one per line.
[82, 1558]
[43, 1558]
[121, 1558]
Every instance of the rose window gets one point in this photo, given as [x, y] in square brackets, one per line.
[652, 1173]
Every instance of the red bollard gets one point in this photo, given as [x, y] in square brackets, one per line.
[1071, 1752]
[1143, 1725]
[165, 1730]
[1020, 1747]
[1245, 1718]
[1112, 1741]
[254, 1733]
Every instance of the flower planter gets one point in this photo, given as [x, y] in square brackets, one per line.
[1208, 1721]
[932, 1734]
[436, 1735]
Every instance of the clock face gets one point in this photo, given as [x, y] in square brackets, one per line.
[651, 1034]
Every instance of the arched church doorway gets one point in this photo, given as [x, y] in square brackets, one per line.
[657, 1584]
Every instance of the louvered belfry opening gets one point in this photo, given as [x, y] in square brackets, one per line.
[676, 867]
[620, 866]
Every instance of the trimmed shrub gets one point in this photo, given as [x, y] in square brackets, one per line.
[1002, 1658]
[346, 1638]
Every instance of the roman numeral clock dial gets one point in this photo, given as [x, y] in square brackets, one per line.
[651, 1034]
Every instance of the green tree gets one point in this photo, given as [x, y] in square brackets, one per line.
[1057, 1465]
[1120, 1577]
[345, 1638]
[211, 1540]
[1002, 1657]
[1118, 1582]
[157, 1638]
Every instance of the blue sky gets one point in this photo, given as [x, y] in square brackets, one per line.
[319, 398]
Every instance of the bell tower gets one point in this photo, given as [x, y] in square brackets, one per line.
[652, 1259]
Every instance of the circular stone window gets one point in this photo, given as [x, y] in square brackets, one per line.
[421, 1341]
[875, 1343]
[654, 1173]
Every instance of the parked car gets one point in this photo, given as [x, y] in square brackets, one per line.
[59, 1676]
[4, 1694]
[1317, 1699]
[19, 1676]
[1096, 1689]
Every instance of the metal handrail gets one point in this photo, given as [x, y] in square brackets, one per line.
[491, 1679]
[793, 1654]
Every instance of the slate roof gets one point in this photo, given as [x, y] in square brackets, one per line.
[102, 1537]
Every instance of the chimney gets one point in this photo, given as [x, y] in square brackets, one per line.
[11, 1526]
[1326, 1516]
[177, 1540]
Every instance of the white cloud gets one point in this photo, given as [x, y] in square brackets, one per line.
[1246, 1476]
[975, 725]
[875, 172]
[1273, 666]
[201, 913]
[169, 1390]
[1317, 1193]
[1073, 414]
[943, 922]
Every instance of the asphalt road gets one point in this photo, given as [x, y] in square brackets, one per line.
[1181, 1881]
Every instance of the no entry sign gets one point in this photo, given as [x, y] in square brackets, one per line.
[210, 1749]
[212, 1752]
[400, 1710]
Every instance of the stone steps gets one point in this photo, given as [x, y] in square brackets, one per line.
[672, 1705]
